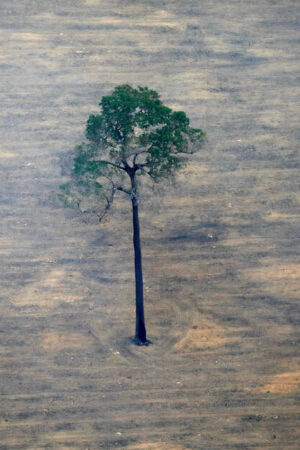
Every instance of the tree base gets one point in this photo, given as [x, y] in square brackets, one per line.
[138, 342]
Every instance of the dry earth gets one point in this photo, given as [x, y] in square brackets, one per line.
[221, 250]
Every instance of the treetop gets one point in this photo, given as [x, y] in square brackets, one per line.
[134, 133]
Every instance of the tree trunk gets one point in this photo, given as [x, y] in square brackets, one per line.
[140, 329]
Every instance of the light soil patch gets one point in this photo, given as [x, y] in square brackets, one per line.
[54, 342]
[275, 216]
[5, 243]
[266, 52]
[52, 290]
[282, 383]
[65, 438]
[205, 334]
[279, 279]
[155, 446]
[4, 154]
[92, 2]
[28, 36]
[105, 20]
[161, 18]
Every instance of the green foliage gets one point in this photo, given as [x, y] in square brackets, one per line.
[135, 120]
[134, 134]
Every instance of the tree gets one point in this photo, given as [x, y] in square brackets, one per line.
[134, 136]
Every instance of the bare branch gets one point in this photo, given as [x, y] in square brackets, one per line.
[120, 188]
[137, 154]
[111, 164]
[142, 165]
[109, 202]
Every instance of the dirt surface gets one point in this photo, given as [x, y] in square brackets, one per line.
[221, 249]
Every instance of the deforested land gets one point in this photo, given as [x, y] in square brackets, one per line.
[220, 247]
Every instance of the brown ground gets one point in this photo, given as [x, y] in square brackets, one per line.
[221, 250]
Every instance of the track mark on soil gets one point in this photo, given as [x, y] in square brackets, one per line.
[51, 291]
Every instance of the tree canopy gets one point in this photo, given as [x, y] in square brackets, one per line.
[135, 133]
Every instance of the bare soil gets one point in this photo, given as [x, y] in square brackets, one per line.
[221, 248]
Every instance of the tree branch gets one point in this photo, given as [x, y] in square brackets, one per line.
[120, 188]
[136, 155]
[111, 164]
[107, 207]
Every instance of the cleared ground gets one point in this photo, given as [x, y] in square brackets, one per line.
[221, 249]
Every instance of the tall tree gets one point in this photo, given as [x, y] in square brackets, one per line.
[134, 136]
